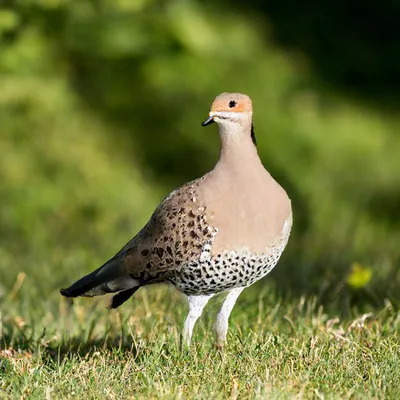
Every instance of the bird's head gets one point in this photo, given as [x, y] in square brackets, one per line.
[230, 108]
[232, 112]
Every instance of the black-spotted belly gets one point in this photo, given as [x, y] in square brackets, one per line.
[225, 271]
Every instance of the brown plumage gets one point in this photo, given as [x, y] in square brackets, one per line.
[221, 232]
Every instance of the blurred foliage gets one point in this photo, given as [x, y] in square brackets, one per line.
[350, 45]
[100, 110]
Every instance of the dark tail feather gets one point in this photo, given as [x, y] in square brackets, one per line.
[83, 285]
[122, 297]
[109, 278]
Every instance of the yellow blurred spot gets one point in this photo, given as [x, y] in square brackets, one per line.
[359, 276]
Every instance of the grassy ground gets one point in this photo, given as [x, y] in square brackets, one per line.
[100, 110]
[276, 349]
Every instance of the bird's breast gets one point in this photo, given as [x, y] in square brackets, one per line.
[248, 217]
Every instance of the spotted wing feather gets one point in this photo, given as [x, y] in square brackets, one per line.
[175, 235]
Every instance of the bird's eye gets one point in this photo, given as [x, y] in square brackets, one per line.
[232, 103]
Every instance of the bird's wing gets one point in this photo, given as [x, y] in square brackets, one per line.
[177, 233]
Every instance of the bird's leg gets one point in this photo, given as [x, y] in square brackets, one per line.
[221, 324]
[196, 306]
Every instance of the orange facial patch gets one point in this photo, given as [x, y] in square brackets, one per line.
[231, 102]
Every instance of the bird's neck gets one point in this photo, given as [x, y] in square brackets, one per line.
[237, 147]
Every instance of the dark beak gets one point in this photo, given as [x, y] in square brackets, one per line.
[208, 121]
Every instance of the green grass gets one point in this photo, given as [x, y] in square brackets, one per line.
[276, 349]
[100, 110]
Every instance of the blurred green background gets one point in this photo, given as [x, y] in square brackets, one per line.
[100, 111]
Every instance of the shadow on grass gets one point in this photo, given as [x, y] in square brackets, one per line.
[16, 345]
[56, 345]
[67, 347]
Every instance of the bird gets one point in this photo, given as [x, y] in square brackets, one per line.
[218, 233]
